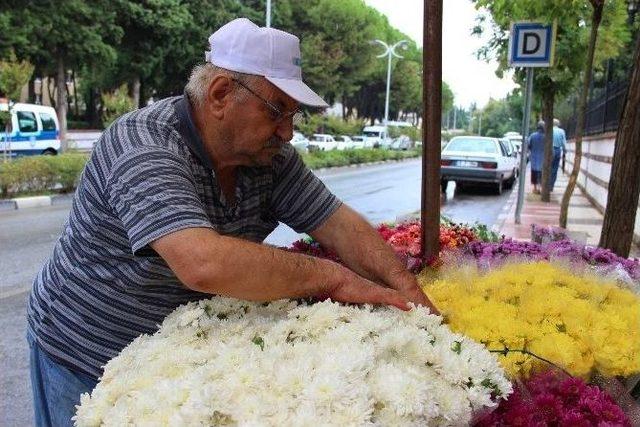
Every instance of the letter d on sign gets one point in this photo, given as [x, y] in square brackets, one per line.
[531, 43]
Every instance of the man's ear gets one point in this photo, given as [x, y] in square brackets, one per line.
[219, 95]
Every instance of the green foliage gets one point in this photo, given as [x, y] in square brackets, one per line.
[502, 116]
[318, 123]
[116, 104]
[326, 159]
[14, 75]
[153, 45]
[41, 174]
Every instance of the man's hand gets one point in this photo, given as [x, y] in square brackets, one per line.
[407, 284]
[352, 288]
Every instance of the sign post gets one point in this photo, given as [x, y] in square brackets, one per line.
[530, 45]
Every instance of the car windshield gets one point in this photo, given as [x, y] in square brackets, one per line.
[372, 134]
[318, 138]
[472, 145]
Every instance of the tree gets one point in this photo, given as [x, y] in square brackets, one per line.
[624, 184]
[68, 33]
[571, 17]
[13, 76]
[596, 18]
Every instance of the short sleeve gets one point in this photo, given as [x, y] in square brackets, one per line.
[153, 193]
[300, 199]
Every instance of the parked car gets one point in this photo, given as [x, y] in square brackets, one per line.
[34, 129]
[403, 142]
[516, 140]
[377, 136]
[344, 142]
[476, 159]
[513, 154]
[360, 141]
[300, 142]
[322, 142]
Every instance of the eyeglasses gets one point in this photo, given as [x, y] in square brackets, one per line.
[276, 114]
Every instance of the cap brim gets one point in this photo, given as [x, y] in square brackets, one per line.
[299, 91]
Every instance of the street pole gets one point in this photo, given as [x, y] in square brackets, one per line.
[390, 50]
[455, 113]
[386, 102]
[525, 140]
[268, 13]
[431, 128]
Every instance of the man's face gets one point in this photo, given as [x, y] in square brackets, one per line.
[259, 122]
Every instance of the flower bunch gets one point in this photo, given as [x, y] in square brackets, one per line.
[542, 234]
[602, 261]
[579, 322]
[313, 248]
[405, 237]
[548, 399]
[224, 361]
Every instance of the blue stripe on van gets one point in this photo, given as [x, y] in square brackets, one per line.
[45, 135]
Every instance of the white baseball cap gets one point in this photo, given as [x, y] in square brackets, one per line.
[242, 46]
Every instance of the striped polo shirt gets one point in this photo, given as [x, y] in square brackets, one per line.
[149, 176]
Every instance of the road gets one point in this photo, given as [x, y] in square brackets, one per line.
[383, 192]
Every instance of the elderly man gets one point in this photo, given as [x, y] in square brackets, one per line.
[559, 147]
[172, 207]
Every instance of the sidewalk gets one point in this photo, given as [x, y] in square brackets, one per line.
[584, 221]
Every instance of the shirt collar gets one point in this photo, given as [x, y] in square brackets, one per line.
[189, 132]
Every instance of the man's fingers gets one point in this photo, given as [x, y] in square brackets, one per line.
[369, 293]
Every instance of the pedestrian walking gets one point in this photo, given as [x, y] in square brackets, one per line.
[559, 148]
[173, 206]
[536, 148]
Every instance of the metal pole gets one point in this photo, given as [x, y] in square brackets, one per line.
[386, 102]
[525, 140]
[431, 133]
[455, 113]
[268, 13]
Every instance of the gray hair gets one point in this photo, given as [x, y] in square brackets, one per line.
[556, 122]
[541, 126]
[202, 76]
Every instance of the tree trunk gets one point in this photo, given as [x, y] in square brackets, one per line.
[75, 94]
[61, 103]
[31, 93]
[596, 17]
[135, 89]
[548, 98]
[624, 183]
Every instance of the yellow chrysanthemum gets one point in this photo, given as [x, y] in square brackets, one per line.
[576, 320]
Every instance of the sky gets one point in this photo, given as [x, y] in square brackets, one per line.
[470, 79]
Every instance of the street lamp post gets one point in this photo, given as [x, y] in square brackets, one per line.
[390, 51]
[268, 13]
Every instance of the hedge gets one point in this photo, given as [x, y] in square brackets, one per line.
[60, 174]
[41, 174]
[327, 159]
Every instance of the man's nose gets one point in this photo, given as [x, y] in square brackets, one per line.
[285, 129]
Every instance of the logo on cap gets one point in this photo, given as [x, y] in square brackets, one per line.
[297, 61]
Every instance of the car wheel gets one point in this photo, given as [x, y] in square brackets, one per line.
[49, 152]
[499, 187]
[443, 185]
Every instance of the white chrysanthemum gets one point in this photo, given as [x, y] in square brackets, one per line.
[228, 362]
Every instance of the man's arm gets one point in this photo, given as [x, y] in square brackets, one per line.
[206, 261]
[362, 249]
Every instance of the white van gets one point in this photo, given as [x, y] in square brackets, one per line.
[376, 135]
[34, 129]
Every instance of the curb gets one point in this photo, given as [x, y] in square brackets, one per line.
[506, 211]
[33, 202]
